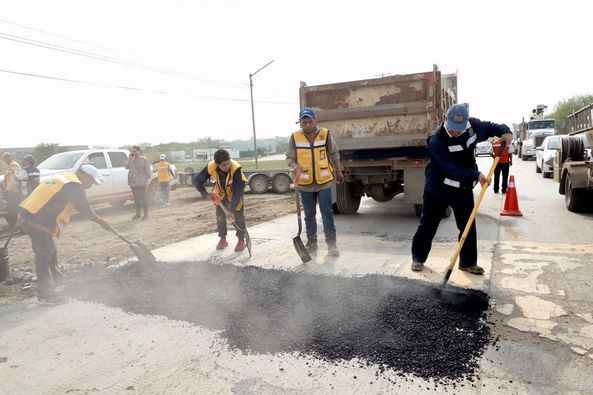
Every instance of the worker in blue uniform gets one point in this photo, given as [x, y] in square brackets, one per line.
[451, 175]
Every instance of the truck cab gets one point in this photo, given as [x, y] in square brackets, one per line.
[537, 130]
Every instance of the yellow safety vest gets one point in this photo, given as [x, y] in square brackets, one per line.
[43, 194]
[162, 171]
[226, 189]
[313, 160]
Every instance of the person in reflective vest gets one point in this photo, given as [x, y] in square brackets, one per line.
[505, 161]
[229, 186]
[313, 154]
[164, 174]
[43, 213]
[29, 176]
[451, 175]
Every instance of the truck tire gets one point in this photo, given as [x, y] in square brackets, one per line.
[572, 197]
[259, 184]
[346, 202]
[280, 183]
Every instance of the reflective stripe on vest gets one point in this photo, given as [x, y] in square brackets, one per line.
[313, 159]
[46, 190]
[163, 171]
[227, 189]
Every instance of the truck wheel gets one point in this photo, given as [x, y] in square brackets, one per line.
[418, 210]
[280, 183]
[346, 202]
[259, 184]
[572, 197]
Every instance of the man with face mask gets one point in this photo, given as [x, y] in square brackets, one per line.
[451, 176]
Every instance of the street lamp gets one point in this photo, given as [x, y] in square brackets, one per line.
[252, 111]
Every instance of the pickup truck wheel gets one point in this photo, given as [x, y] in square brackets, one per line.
[259, 184]
[572, 197]
[346, 202]
[280, 183]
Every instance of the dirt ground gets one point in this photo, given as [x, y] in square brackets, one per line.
[84, 244]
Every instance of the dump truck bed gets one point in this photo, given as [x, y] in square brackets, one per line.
[382, 113]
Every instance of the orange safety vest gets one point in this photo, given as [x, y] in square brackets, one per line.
[505, 156]
[163, 171]
[226, 189]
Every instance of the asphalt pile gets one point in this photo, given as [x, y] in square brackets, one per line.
[389, 322]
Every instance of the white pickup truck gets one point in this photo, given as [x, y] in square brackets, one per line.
[110, 163]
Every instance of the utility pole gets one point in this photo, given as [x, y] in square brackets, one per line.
[252, 110]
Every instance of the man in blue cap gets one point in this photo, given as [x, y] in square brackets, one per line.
[451, 176]
[313, 154]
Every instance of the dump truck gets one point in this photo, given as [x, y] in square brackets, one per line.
[381, 126]
[573, 164]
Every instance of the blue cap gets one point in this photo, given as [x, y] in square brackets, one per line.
[457, 116]
[306, 112]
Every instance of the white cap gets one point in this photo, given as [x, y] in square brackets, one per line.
[93, 172]
[162, 157]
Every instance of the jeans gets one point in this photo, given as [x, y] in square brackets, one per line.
[432, 212]
[221, 222]
[140, 201]
[46, 259]
[309, 200]
[164, 191]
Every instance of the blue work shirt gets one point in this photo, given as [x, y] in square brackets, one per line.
[452, 169]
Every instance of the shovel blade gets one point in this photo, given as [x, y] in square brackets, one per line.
[301, 249]
[248, 241]
[142, 252]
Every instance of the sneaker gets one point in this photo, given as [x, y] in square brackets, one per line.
[240, 245]
[137, 216]
[475, 269]
[417, 266]
[167, 204]
[332, 250]
[311, 246]
[52, 300]
[222, 244]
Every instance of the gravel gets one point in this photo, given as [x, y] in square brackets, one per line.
[390, 322]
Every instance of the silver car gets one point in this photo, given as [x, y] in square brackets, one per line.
[484, 148]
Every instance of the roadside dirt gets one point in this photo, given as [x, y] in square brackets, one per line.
[84, 244]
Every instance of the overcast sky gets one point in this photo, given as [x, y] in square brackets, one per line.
[509, 56]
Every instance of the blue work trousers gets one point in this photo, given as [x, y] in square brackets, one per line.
[310, 199]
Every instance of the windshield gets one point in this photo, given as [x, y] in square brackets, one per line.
[547, 124]
[554, 144]
[63, 161]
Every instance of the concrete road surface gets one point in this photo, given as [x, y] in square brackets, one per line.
[539, 273]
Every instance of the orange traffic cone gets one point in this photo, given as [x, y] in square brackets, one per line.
[511, 205]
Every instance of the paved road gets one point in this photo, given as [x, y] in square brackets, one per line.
[538, 272]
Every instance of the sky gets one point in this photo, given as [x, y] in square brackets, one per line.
[159, 71]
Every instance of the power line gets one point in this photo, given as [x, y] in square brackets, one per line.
[104, 58]
[136, 88]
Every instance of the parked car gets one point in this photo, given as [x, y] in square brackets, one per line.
[484, 148]
[544, 156]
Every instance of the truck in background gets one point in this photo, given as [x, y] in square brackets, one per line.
[533, 134]
[573, 164]
[381, 127]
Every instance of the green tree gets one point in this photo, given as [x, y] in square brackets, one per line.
[44, 150]
[565, 107]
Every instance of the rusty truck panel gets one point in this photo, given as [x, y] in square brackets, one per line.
[394, 111]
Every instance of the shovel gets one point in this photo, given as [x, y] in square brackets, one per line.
[298, 243]
[216, 200]
[470, 221]
[138, 247]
